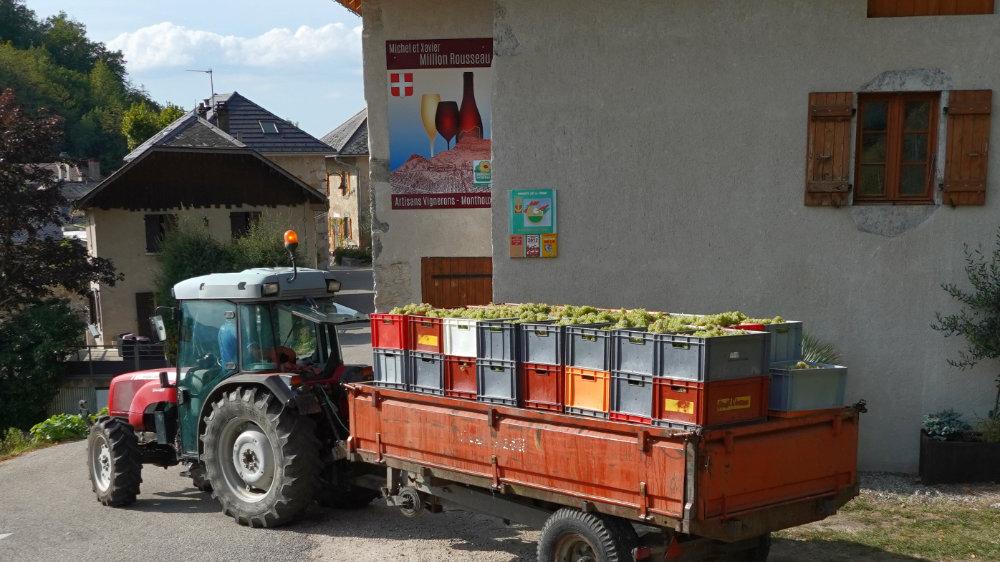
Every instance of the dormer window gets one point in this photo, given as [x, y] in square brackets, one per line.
[268, 127]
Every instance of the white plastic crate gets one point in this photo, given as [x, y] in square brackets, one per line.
[460, 337]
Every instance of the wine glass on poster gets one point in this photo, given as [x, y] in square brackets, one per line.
[428, 113]
[446, 121]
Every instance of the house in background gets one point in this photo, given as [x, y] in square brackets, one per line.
[347, 172]
[190, 170]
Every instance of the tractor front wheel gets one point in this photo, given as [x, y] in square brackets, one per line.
[115, 462]
[261, 458]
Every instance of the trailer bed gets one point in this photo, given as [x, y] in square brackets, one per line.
[726, 484]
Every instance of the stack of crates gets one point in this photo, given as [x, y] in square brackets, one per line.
[587, 377]
[391, 345]
[794, 390]
[674, 380]
[460, 358]
[542, 372]
[496, 362]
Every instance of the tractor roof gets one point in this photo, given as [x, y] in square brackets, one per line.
[249, 284]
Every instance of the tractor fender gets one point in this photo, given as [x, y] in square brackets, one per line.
[149, 394]
[278, 385]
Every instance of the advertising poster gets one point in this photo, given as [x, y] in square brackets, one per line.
[533, 223]
[440, 122]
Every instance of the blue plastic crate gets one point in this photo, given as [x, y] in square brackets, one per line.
[426, 372]
[588, 347]
[541, 342]
[713, 358]
[497, 382]
[807, 389]
[390, 368]
[496, 340]
[786, 341]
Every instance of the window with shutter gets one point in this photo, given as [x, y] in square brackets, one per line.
[906, 8]
[968, 147]
[157, 227]
[240, 223]
[828, 152]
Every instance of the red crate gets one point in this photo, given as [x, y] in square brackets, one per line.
[618, 416]
[460, 377]
[390, 331]
[426, 335]
[710, 403]
[542, 386]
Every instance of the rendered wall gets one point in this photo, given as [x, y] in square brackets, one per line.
[311, 169]
[675, 134]
[400, 238]
[356, 203]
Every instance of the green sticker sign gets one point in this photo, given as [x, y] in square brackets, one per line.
[481, 172]
[533, 211]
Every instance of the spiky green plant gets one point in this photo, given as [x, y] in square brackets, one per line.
[815, 350]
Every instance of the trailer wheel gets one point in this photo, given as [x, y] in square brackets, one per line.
[114, 461]
[570, 535]
[261, 458]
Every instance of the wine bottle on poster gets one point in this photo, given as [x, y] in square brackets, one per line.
[470, 122]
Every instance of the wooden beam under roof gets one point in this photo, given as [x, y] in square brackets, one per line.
[352, 5]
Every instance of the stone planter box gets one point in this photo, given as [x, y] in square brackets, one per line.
[944, 462]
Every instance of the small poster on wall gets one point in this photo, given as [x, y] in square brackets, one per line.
[440, 122]
[533, 223]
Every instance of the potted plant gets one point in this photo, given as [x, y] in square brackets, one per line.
[950, 449]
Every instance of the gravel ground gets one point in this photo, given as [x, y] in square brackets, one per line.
[884, 485]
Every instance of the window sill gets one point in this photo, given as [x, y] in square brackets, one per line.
[893, 203]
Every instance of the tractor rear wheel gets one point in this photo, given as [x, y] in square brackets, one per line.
[115, 462]
[261, 458]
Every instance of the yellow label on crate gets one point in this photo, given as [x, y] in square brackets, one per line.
[427, 339]
[732, 403]
[679, 406]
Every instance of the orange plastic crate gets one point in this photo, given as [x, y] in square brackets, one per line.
[710, 403]
[426, 335]
[390, 331]
[588, 389]
[460, 377]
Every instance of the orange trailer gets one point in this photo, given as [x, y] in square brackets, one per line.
[699, 489]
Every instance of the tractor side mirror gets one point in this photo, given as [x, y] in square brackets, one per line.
[165, 380]
[159, 329]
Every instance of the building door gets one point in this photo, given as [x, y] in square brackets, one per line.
[452, 282]
[145, 306]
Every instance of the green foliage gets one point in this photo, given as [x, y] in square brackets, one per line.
[263, 246]
[989, 429]
[60, 427]
[142, 120]
[353, 252]
[946, 425]
[14, 441]
[33, 343]
[815, 350]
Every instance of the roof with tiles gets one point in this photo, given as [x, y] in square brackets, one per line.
[351, 137]
[187, 131]
[258, 128]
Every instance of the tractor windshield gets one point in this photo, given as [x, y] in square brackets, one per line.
[291, 337]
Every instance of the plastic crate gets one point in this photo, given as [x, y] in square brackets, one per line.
[807, 389]
[460, 377]
[497, 340]
[390, 331]
[541, 343]
[712, 359]
[635, 351]
[542, 386]
[588, 347]
[426, 372]
[497, 382]
[786, 341]
[425, 334]
[685, 403]
[390, 368]
[459, 337]
[587, 391]
[632, 397]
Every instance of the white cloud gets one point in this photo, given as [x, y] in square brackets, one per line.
[168, 45]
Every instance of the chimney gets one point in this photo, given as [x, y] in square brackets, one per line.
[221, 116]
[93, 169]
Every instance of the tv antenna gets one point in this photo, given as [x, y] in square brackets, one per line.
[211, 82]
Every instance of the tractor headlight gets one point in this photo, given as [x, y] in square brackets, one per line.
[269, 289]
[332, 285]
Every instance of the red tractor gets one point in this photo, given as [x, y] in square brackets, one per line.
[254, 408]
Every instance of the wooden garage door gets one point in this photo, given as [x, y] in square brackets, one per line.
[451, 282]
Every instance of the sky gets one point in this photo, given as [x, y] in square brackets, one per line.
[300, 59]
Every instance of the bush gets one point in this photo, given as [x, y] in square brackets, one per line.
[946, 425]
[262, 246]
[33, 343]
[353, 252]
[989, 430]
[60, 427]
[14, 441]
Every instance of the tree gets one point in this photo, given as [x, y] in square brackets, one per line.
[18, 24]
[978, 320]
[32, 344]
[34, 257]
[142, 120]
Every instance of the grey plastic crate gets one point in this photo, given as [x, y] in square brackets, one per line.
[541, 342]
[585, 412]
[807, 389]
[786, 341]
[390, 368]
[497, 382]
[715, 358]
[635, 351]
[496, 340]
[632, 396]
[588, 347]
[426, 372]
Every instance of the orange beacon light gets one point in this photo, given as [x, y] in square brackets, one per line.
[291, 240]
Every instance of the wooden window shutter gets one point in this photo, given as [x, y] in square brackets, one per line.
[967, 151]
[828, 152]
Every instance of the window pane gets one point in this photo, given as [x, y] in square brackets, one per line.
[873, 148]
[914, 148]
[918, 115]
[872, 181]
[873, 115]
[912, 180]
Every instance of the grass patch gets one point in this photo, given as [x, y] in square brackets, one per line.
[937, 530]
[16, 442]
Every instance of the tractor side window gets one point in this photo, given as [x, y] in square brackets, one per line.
[257, 337]
[208, 338]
